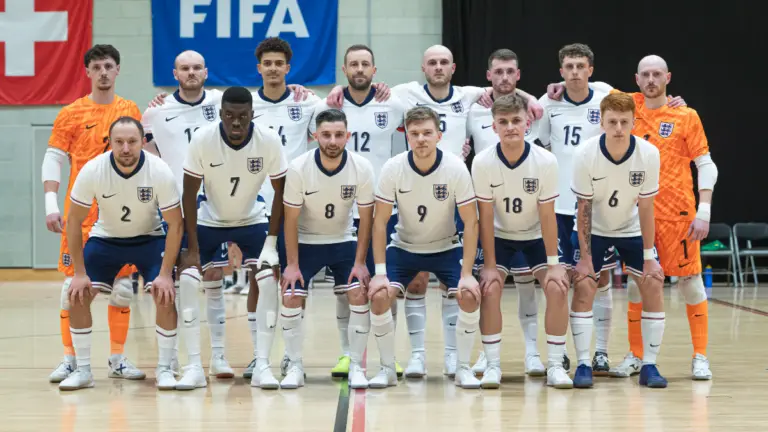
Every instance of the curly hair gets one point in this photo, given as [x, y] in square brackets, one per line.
[274, 45]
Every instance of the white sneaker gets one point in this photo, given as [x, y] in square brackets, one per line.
[558, 378]
[248, 372]
[175, 367]
[417, 367]
[491, 377]
[265, 379]
[63, 370]
[479, 367]
[164, 379]
[220, 367]
[285, 363]
[231, 288]
[294, 378]
[356, 377]
[449, 367]
[194, 377]
[387, 377]
[533, 365]
[121, 367]
[629, 366]
[465, 378]
[700, 368]
[77, 380]
[246, 289]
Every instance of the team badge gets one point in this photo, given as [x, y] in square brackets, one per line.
[144, 194]
[457, 107]
[255, 165]
[209, 112]
[440, 191]
[66, 260]
[593, 115]
[636, 178]
[381, 119]
[530, 185]
[294, 112]
[348, 192]
[665, 129]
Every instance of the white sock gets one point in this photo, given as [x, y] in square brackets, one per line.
[359, 327]
[216, 315]
[581, 328]
[242, 276]
[466, 327]
[189, 315]
[290, 319]
[527, 311]
[254, 326]
[342, 321]
[555, 350]
[394, 314]
[384, 330]
[416, 320]
[166, 339]
[266, 315]
[229, 279]
[450, 316]
[652, 327]
[492, 348]
[603, 309]
[81, 341]
[179, 319]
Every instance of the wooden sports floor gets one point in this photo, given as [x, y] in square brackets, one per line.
[30, 347]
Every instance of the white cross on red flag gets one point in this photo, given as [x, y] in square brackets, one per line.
[42, 45]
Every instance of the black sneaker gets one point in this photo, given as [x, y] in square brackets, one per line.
[600, 364]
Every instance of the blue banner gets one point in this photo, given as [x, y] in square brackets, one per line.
[226, 33]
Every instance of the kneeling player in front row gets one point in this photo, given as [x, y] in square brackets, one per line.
[130, 186]
[516, 186]
[617, 175]
[321, 188]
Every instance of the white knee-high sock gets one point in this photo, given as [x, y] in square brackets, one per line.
[81, 341]
[466, 328]
[492, 348]
[189, 314]
[254, 328]
[216, 315]
[581, 327]
[384, 330]
[359, 327]
[394, 314]
[652, 328]
[266, 314]
[603, 310]
[179, 319]
[527, 311]
[416, 320]
[450, 316]
[290, 319]
[342, 322]
[166, 339]
[555, 350]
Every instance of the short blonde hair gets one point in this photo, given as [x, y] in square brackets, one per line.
[421, 113]
[510, 103]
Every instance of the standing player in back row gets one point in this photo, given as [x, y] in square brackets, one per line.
[615, 177]
[80, 133]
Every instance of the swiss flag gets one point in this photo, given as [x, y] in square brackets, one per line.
[42, 44]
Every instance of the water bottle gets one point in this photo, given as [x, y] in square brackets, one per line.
[617, 274]
[708, 276]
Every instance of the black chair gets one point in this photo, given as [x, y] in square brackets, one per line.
[724, 233]
[750, 232]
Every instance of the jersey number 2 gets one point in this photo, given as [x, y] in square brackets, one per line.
[126, 213]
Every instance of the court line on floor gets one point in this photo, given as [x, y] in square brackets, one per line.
[358, 407]
[740, 307]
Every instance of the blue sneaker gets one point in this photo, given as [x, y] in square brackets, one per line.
[650, 377]
[583, 377]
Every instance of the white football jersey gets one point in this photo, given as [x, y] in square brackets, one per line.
[563, 127]
[452, 111]
[516, 190]
[232, 176]
[128, 204]
[290, 119]
[173, 123]
[480, 128]
[326, 198]
[615, 186]
[427, 202]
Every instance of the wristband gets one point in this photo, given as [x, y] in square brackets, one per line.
[553, 260]
[51, 203]
[703, 212]
[271, 241]
[648, 254]
[380, 269]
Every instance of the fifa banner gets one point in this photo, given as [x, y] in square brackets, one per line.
[226, 33]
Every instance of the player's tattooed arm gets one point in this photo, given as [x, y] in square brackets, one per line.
[584, 220]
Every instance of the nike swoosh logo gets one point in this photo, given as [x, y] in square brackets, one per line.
[655, 346]
[682, 265]
[577, 334]
[597, 179]
[495, 186]
[170, 118]
[469, 332]
[699, 315]
[90, 126]
[402, 191]
[531, 315]
[646, 137]
[486, 127]
[452, 324]
[108, 196]
[602, 319]
[359, 332]
[634, 320]
[189, 322]
[214, 166]
[554, 115]
[125, 311]
[311, 193]
[420, 104]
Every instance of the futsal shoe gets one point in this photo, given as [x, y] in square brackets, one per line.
[79, 379]
[700, 368]
[630, 366]
[479, 367]
[295, 376]
[194, 377]
[220, 367]
[264, 378]
[651, 378]
[341, 370]
[398, 370]
[63, 370]
[465, 378]
[285, 363]
[558, 378]
[491, 377]
[600, 364]
[583, 377]
[451, 360]
[534, 366]
[385, 378]
[417, 366]
[357, 379]
[120, 367]
[164, 379]
[248, 372]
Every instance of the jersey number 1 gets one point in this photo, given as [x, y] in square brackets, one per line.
[189, 132]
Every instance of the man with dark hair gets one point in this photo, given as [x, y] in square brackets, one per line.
[80, 133]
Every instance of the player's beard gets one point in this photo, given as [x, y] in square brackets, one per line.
[330, 152]
[126, 161]
[654, 92]
[192, 87]
[359, 85]
[441, 81]
[504, 89]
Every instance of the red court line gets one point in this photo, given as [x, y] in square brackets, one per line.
[358, 409]
[740, 307]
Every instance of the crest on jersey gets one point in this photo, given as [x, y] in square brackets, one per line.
[209, 112]
[531, 185]
[457, 107]
[381, 119]
[294, 112]
[144, 193]
[665, 129]
[440, 191]
[255, 165]
[348, 192]
[636, 178]
[66, 259]
[593, 115]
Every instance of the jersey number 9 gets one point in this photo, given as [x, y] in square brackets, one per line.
[422, 211]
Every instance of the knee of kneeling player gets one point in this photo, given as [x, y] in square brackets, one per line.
[356, 297]
[468, 302]
[213, 274]
[380, 301]
[492, 293]
[122, 293]
[290, 301]
[584, 290]
[553, 292]
[692, 288]
[651, 286]
[419, 284]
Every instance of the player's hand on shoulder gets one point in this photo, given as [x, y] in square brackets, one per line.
[465, 149]
[535, 110]
[359, 272]
[291, 275]
[698, 230]
[675, 101]
[79, 288]
[383, 92]
[486, 100]
[558, 275]
[335, 98]
[163, 291]
[158, 100]
[300, 93]
[54, 223]
[488, 277]
[555, 91]
[468, 285]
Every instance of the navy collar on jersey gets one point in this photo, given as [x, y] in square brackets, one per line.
[368, 98]
[182, 101]
[523, 157]
[624, 158]
[132, 173]
[229, 143]
[589, 98]
[338, 169]
[447, 98]
[274, 101]
[429, 171]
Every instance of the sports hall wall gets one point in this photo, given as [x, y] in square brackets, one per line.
[713, 51]
[398, 31]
